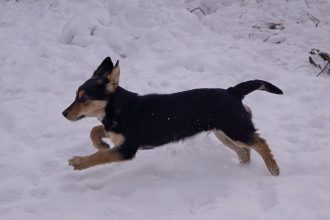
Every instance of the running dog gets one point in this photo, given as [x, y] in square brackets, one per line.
[134, 122]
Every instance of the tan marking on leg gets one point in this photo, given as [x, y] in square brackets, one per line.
[260, 145]
[242, 153]
[97, 133]
[100, 157]
[117, 139]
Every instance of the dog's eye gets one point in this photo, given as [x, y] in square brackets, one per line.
[83, 98]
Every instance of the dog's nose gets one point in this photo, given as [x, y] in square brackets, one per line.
[65, 112]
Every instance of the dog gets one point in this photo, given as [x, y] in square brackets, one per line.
[134, 122]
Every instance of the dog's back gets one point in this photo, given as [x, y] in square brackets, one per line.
[158, 119]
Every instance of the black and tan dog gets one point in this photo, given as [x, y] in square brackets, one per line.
[135, 122]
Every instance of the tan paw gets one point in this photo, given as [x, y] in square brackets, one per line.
[78, 163]
[274, 170]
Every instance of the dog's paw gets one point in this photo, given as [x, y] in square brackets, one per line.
[78, 163]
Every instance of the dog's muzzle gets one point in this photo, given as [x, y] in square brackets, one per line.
[65, 113]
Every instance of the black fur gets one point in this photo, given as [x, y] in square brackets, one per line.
[153, 120]
[105, 67]
[245, 88]
[94, 88]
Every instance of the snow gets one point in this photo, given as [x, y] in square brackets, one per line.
[49, 48]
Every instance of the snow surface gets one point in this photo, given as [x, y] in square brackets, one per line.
[48, 48]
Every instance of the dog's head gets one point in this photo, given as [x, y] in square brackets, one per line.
[91, 97]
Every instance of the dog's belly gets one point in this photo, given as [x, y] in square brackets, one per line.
[151, 138]
[146, 147]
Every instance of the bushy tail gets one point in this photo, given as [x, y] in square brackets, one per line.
[245, 88]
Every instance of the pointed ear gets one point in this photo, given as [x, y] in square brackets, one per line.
[105, 66]
[107, 62]
[113, 78]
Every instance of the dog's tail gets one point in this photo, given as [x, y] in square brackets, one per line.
[245, 88]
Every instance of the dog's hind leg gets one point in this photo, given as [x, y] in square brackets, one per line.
[242, 153]
[97, 133]
[260, 145]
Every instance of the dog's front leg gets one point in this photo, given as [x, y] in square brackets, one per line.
[116, 154]
[100, 157]
[97, 133]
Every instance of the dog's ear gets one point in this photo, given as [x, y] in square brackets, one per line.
[104, 67]
[113, 78]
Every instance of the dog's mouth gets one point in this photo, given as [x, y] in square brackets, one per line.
[75, 119]
[80, 117]
[77, 114]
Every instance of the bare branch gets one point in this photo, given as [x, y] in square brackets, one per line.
[323, 69]
[313, 63]
[314, 19]
[313, 51]
[199, 8]
[270, 36]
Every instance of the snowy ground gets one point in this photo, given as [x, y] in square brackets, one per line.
[48, 48]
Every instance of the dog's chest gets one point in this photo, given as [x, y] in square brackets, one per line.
[116, 138]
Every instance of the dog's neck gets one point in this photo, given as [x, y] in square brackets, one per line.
[119, 101]
[100, 114]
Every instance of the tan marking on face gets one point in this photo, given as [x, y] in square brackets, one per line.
[90, 108]
[117, 139]
[81, 93]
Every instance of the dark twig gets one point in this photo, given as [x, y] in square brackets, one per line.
[269, 37]
[274, 26]
[313, 51]
[323, 69]
[314, 19]
[325, 56]
[199, 8]
[313, 63]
